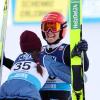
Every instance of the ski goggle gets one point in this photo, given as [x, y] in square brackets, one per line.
[52, 26]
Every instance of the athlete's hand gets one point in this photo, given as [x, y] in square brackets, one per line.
[81, 46]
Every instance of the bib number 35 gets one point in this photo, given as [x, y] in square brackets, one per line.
[22, 66]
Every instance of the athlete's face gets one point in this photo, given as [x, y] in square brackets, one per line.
[51, 30]
[51, 37]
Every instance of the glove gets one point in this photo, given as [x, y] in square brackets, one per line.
[81, 46]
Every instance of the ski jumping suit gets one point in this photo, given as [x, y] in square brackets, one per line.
[57, 88]
[24, 82]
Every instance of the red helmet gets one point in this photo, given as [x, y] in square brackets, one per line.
[55, 17]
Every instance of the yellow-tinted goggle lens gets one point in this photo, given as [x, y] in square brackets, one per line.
[53, 26]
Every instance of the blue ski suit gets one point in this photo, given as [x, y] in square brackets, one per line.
[58, 85]
[24, 82]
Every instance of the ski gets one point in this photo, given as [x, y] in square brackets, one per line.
[76, 61]
[3, 34]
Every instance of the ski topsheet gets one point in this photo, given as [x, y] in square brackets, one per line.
[76, 61]
[2, 34]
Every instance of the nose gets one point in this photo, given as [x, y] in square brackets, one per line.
[49, 31]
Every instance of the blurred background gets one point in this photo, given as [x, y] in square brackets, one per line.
[27, 15]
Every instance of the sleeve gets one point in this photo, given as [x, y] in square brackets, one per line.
[86, 62]
[67, 55]
[7, 62]
[57, 69]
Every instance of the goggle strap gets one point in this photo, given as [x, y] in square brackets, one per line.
[64, 25]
